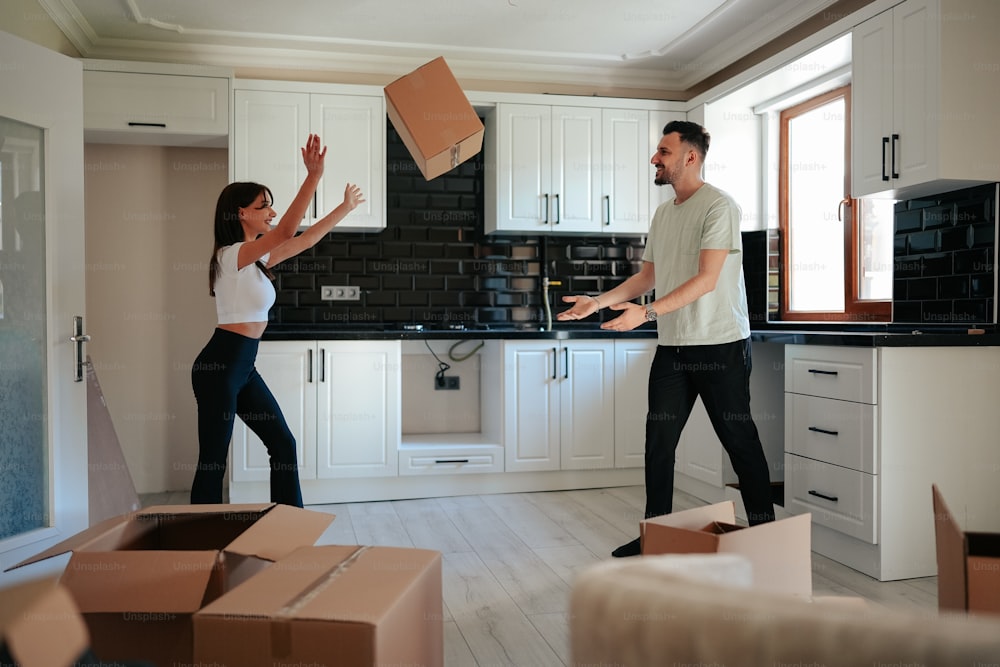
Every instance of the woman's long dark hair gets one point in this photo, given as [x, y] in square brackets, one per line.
[228, 229]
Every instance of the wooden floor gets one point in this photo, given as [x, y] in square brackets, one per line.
[509, 562]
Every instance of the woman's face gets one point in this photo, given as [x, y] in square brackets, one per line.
[256, 218]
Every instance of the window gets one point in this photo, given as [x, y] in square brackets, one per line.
[836, 251]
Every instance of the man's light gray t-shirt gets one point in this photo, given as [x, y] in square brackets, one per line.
[708, 220]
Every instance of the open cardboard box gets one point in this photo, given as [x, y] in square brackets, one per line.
[968, 564]
[779, 551]
[139, 577]
[349, 606]
[434, 118]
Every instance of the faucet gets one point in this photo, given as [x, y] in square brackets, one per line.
[545, 300]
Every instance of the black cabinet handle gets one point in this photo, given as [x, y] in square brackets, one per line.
[309, 372]
[132, 123]
[558, 216]
[555, 362]
[322, 364]
[819, 371]
[885, 144]
[816, 429]
[607, 209]
[895, 142]
[832, 499]
[451, 460]
[546, 220]
[565, 363]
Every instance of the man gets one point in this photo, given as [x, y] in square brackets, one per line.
[693, 260]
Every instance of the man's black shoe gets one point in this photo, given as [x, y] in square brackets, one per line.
[630, 549]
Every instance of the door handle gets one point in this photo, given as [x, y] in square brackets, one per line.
[78, 339]
[546, 220]
[555, 362]
[607, 209]
[817, 429]
[322, 364]
[824, 496]
[558, 215]
[895, 142]
[565, 363]
[309, 364]
[885, 144]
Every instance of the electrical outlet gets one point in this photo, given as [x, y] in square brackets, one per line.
[339, 293]
[446, 382]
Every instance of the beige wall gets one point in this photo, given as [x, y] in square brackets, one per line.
[149, 236]
[27, 20]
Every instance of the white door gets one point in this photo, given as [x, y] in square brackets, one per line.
[871, 106]
[626, 171]
[587, 405]
[352, 127]
[576, 170]
[43, 402]
[290, 370]
[531, 400]
[633, 360]
[525, 167]
[916, 57]
[359, 409]
[703, 453]
[270, 128]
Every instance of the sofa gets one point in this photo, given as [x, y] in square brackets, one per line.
[703, 609]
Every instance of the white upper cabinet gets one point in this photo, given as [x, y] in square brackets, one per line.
[135, 103]
[568, 169]
[271, 126]
[925, 101]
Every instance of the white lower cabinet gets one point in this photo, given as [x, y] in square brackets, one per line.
[632, 361]
[869, 430]
[341, 400]
[559, 405]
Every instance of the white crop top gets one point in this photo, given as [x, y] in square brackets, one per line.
[243, 295]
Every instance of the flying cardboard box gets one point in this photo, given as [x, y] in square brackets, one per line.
[434, 118]
[139, 577]
[968, 564]
[34, 613]
[349, 606]
[779, 551]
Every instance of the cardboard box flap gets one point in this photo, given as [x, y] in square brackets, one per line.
[32, 616]
[951, 555]
[140, 581]
[280, 532]
[697, 518]
[775, 551]
[657, 538]
[110, 532]
[201, 510]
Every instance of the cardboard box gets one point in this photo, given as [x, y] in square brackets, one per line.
[349, 606]
[138, 578]
[434, 118]
[968, 564]
[779, 551]
[34, 613]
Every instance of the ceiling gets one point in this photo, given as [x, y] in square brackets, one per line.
[656, 45]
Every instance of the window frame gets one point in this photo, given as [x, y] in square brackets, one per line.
[855, 309]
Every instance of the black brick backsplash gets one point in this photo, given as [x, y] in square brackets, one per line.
[944, 258]
[433, 264]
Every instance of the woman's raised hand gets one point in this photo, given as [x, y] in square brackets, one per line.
[353, 196]
[313, 155]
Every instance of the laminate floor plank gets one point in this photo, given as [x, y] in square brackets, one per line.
[590, 529]
[554, 628]
[456, 651]
[341, 531]
[528, 522]
[567, 561]
[428, 526]
[530, 582]
[377, 524]
[495, 629]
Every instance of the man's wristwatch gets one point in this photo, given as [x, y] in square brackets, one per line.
[650, 313]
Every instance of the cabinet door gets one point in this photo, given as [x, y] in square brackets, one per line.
[531, 400]
[358, 412]
[626, 171]
[657, 193]
[270, 129]
[353, 129]
[287, 368]
[632, 362]
[576, 170]
[587, 405]
[703, 453]
[916, 84]
[524, 163]
[871, 105]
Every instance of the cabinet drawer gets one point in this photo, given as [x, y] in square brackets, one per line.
[450, 460]
[837, 432]
[158, 103]
[845, 373]
[838, 498]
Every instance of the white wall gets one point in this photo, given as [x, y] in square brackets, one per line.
[149, 212]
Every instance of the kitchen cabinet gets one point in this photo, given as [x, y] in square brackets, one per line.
[139, 103]
[632, 361]
[271, 124]
[342, 402]
[925, 103]
[867, 433]
[559, 405]
[570, 169]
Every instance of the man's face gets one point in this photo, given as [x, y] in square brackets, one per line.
[670, 159]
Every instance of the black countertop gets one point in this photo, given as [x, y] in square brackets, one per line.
[891, 335]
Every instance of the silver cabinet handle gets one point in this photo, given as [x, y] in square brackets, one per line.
[78, 338]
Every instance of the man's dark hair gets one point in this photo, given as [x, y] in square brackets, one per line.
[690, 133]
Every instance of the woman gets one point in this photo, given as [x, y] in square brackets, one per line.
[224, 379]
